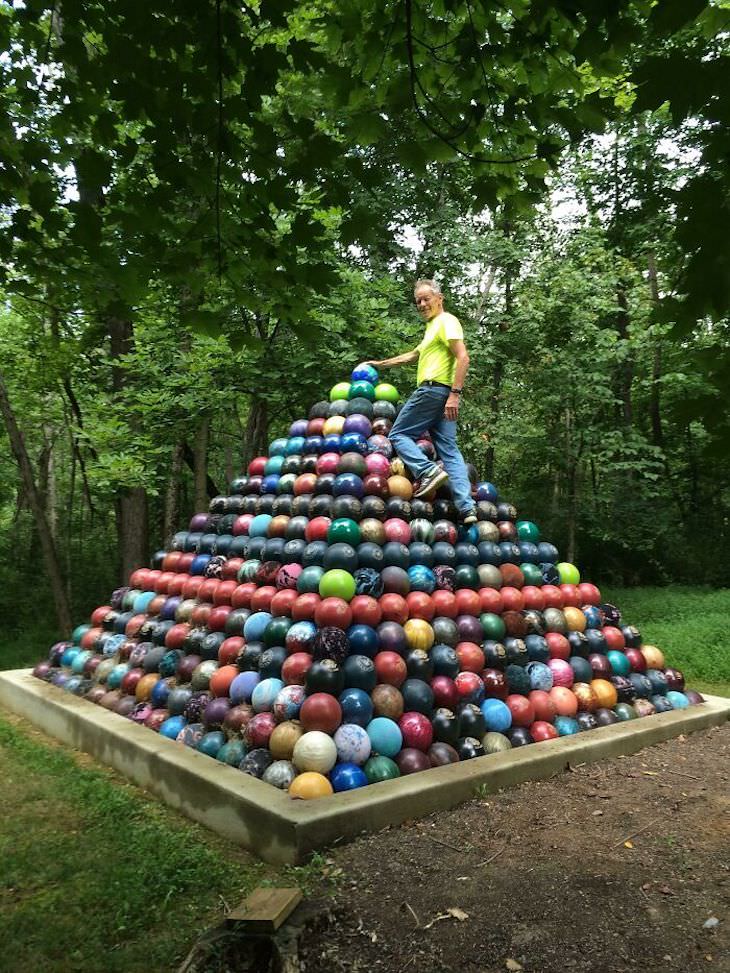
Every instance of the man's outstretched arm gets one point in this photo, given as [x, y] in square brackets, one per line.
[403, 359]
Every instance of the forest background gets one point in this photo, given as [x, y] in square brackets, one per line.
[209, 213]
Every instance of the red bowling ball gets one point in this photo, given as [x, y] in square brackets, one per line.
[258, 730]
[295, 668]
[366, 611]
[390, 668]
[565, 701]
[614, 638]
[282, 602]
[218, 617]
[636, 660]
[444, 604]
[175, 636]
[394, 608]
[334, 612]
[571, 596]
[445, 693]
[375, 485]
[522, 710]
[261, 598]
[512, 576]
[241, 597]
[533, 597]
[512, 599]
[417, 731]
[471, 657]
[490, 600]
[316, 529]
[257, 466]
[305, 606]
[589, 593]
[229, 650]
[540, 731]
[397, 530]
[328, 463]
[543, 705]
[600, 666]
[495, 684]
[420, 605]
[553, 596]
[468, 602]
[470, 687]
[558, 646]
[320, 711]
[224, 592]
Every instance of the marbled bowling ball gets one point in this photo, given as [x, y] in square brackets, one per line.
[662, 704]
[586, 697]
[258, 730]
[494, 742]
[642, 685]
[644, 707]
[624, 711]
[675, 679]
[566, 726]
[605, 717]
[191, 735]
[287, 703]
[411, 761]
[600, 666]
[470, 687]
[140, 712]
[256, 762]
[216, 711]
[694, 697]
[624, 689]
[195, 706]
[237, 719]
[416, 730]
[387, 701]
[280, 774]
[353, 744]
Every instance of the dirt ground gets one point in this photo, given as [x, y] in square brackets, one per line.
[611, 867]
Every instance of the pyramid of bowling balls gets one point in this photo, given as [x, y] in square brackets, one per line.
[323, 630]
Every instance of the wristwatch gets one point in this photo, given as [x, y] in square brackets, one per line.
[457, 391]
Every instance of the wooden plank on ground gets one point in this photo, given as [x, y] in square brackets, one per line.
[265, 909]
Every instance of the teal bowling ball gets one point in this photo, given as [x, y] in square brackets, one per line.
[381, 768]
[620, 665]
[210, 743]
[677, 699]
[566, 726]
[386, 738]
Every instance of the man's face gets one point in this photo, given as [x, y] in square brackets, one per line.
[428, 303]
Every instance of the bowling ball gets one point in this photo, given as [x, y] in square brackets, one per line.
[381, 768]
[419, 665]
[674, 679]
[495, 654]
[519, 736]
[662, 704]
[395, 581]
[295, 668]
[624, 711]
[446, 726]
[315, 751]
[385, 737]
[325, 676]
[642, 685]
[211, 743]
[283, 739]
[392, 636]
[390, 668]
[471, 721]
[678, 699]
[310, 786]
[387, 701]
[469, 747]
[605, 693]
[494, 742]
[541, 731]
[653, 656]
[544, 706]
[642, 707]
[694, 697]
[256, 762]
[337, 582]
[368, 582]
[416, 730]
[624, 689]
[347, 777]
[537, 648]
[584, 693]
[469, 687]
[586, 721]
[562, 672]
[540, 675]
[445, 631]
[418, 696]
[497, 715]
[357, 706]
[582, 669]
[369, 556]
[359, 672]
[517, 679]
[605, 717]
[411, 761]
[522, 710]
[288, 702]
[330, 643]
[440, 754]
[600, 666]
[352, 743]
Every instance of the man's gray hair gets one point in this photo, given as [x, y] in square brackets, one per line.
[436, 288]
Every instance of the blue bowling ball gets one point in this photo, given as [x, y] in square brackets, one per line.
[357, 707]
[363, 640]
[497, 715]
[347, 777]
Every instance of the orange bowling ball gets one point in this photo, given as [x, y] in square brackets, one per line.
[587, 701]
[387, 701]
[334, 426]
[309, 786]
[575, 619]
[564, 701]
[221, 680]
[400, 486]
[654, 656]
[144, 687]
[605, 693]
[419, 634]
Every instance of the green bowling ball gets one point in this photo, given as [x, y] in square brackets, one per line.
[362, 390]
[275, 631]
[532, 573]
[344, 531]
[569, 573]
[465, 576]
[340, 391]
[384, 392]
[380, 768]
[493, 627]
[495, 742]
[308, 580]
[527, 531]
[337, 584]
[625, 711]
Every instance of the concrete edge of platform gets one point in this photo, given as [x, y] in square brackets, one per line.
[280, 830]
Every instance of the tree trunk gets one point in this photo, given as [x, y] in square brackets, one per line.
[497, 375]
[171, 515]
[257, 429]
[200, 465]
[571, 485]
[626, 367]
[48, 547]
[130, 504]
[655, 412]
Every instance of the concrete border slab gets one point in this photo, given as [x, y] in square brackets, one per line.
[280, 830]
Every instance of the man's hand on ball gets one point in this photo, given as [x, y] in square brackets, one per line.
[452, 406]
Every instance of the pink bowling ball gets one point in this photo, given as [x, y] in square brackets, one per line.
[562, 672]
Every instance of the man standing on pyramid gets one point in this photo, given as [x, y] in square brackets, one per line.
[434, 406]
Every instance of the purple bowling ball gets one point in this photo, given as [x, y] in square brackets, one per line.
[198, 522]
[56, 651]
[216, 711]
[694, 697]
[60, 679]
[411, 761]
[392, 637]
[167, 612]
[358, 423]
[469, 628]
[42, 670]
[141, 712]
[298, 428]
[243, 686]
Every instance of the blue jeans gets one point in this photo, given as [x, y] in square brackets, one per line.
[424, 412]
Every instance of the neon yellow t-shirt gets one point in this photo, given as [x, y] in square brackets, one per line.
[436, 363]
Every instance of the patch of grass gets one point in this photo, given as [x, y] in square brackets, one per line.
[95, 875]
[688, 624]
[27, 645]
